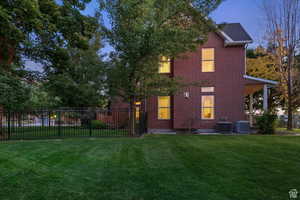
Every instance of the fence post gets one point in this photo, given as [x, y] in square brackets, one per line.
[49, 118]
[59, 123]
[43, 120]
[90, 126]
[9, 128]
[143, 123]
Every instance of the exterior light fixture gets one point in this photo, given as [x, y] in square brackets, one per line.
[186, 95]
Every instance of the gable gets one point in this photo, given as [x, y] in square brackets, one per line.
[234, 34]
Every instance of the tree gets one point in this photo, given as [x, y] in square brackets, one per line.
[141, 32]
[261, 63]
[14, 93]
[81, 81]
[40, 98]
[283, 30]
[41, 30]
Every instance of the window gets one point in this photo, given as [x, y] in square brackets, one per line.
[164, 65]
[137, 109]
[208, 107]
[164, 108]
[208, 60]
[207, 89]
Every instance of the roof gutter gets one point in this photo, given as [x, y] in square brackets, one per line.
[261, 80]
[227, 43]
[230, 42]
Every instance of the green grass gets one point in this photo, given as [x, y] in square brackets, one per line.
[154, 167]
[67, 131]
[284, 130]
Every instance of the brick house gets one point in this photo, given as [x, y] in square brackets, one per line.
[221, 63]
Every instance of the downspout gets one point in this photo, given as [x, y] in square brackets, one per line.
[245, 61]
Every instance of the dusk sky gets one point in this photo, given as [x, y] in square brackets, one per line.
[246, 12]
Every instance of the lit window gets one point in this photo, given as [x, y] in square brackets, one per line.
[208, 60]
[164, 109]
[164, 65]
[207, 89]
[137, 109]
[208, 107]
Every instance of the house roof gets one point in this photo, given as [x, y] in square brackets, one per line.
[234, 34]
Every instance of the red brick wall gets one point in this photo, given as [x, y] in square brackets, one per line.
[227, 80]
[153, 121]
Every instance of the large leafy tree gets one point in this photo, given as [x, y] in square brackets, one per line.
[81, 81]
[14, 93]
[42, 29]
[143, 31]
[283, 32]
[261, 63]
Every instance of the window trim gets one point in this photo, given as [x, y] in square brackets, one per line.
[159, 107]
[212, 87]
[214, 60]
[168, 61]
[213, 107]
[138, 105]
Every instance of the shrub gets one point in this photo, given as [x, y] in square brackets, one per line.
[266, 123]
[97, 124]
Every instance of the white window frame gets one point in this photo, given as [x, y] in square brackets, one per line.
[213, 60]
[159, 107]
[207, 89]
[212, 107]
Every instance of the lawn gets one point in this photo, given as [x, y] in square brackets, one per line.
[153, 167]
[284, 130]
[39, 132]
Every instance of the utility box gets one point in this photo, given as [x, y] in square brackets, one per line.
[224, 127]
[242, 127]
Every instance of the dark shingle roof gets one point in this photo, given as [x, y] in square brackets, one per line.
[236, 32]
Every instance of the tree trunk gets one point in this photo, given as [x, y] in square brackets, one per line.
[132, 118]
[19, 119]
[1, 118]
[290, 109]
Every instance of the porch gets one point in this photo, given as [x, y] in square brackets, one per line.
[253, 85]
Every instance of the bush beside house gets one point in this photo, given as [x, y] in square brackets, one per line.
[266, 123]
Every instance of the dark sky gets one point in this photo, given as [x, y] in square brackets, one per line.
[246, 12]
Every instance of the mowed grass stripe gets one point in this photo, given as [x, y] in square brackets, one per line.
[153, 167]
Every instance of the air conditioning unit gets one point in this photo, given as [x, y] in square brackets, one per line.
[224, 127]
[242, 127]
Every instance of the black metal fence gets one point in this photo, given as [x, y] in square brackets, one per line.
[47, 124]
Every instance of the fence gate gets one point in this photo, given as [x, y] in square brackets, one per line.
[47, 124]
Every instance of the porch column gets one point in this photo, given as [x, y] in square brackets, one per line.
[251, 110]
[265, 105]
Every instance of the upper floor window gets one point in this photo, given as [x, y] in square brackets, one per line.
[164, 107]
[164, 65]
[208, 60]
[208, 107]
